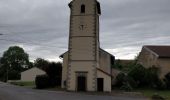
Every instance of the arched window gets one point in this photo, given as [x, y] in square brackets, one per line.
[83, 8]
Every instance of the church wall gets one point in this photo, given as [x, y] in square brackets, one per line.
[89, 10]
[88, 26]
[107, 81]
[83, 54]
[105, 62]
[64, 70]
[82, 48]
[82, 67]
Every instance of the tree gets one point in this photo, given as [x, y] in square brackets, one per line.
[138, 73]
[146, 77]
[118, 64]
[53, 77]
[54, 71]
[167, 80]
[41, 63]
[13, 62]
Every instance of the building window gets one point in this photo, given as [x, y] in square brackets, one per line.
[83, 8]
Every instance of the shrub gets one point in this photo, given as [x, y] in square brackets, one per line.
[54, 71]
[126, 86]
[167, 80]
[118, 65]
[157, 97]
[120, 79]
[146, 77]
[42, 81]
[139, 76]
[152, 78]
[13, 75]
[125, 82]
[130, 81]
[160, 85]
[138, 73]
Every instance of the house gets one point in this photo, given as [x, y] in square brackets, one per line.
[158, 56]
[30, 74]
[86, 67]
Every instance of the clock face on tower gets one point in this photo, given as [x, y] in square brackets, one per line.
[82, 27]
[82, 23]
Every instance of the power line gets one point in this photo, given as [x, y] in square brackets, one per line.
[78, 50]
[44, 46]
[19, 35]
[16, 41]
[33, 43]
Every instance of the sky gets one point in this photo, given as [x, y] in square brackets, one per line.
[41, 27]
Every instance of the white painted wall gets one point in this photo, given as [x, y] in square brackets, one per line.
[107, 81]
[29, 75]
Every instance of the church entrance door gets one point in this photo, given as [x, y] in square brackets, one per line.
[81, 83]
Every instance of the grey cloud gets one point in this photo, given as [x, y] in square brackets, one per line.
[42, 26]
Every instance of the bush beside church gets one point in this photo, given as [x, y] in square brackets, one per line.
[140, 77]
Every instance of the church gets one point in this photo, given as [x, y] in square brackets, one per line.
[86, 67]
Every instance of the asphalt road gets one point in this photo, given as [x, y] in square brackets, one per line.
[11, 92]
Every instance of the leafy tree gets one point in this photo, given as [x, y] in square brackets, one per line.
[138, 73]
[41, 63]
[120, 79]
[30, 65]
[152, 76]
[167, 80]
[42, 81]
[125, 82]
[54, 71]
[146, 77]
[14, 61]
[53, 77]
[117, 64]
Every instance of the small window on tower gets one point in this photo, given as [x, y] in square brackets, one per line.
[83, 8]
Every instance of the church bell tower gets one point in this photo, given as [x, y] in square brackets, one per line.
[83, 51]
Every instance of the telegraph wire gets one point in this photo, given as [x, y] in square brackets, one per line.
[78, 50]
[16, 41]
[38, 44]
[45, 46]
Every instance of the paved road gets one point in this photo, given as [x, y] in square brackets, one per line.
[10, 92]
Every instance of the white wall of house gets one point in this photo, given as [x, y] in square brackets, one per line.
[29, 75]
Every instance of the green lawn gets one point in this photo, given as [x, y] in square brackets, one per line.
[151, 92]
[26, 84]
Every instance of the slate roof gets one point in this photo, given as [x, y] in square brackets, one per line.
[161, 51]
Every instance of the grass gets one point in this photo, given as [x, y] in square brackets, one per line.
[150, 92]
[25, 84]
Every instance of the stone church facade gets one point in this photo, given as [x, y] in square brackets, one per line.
[86, 67]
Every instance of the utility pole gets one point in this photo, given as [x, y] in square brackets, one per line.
[7, 75]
